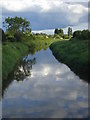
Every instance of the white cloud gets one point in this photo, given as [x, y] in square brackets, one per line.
[73, 12]
[49, 31]
[76, 12]
[43, 5]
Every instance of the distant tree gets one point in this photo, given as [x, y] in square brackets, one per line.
[61, 33]
[56, 31]
[82, 35]
[77, 34]
[85, 34]
[16, 24]
[69, 31]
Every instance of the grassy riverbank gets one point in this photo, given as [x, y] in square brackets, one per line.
[74, 54]
[11, 54]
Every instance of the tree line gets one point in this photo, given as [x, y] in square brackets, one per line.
[18, 27]
[60, 33]
[82, 35]
[79, 34]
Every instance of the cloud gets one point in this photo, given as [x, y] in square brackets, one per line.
[50, 31]
[40, 6]
[47, 14]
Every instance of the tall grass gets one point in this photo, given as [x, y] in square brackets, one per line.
[11, 53]
[74, 54]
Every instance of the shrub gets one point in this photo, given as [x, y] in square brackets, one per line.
[57, 36]
[82, 35]
[85, 34]
[18, 36]
[66, 36]
[77, 34]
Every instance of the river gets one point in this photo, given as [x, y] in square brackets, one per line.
[42, 87]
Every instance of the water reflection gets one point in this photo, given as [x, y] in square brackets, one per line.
[21, 72]
[24, 69]
[51, 90]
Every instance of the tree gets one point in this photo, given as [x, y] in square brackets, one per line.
[82, 35]
[18, 35]
[61, 33]
[69, 31]
[85, 34]
[56, 31]
[16, 24]
[77, 34]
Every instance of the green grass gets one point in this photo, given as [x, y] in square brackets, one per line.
[11, 54]
[74, 54]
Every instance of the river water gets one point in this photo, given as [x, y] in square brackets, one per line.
[42, 87]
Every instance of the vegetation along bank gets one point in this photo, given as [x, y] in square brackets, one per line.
[74, 53]
[17, 41]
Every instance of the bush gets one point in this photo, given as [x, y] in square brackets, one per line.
[82, 35]
[66, 36]
[85, 34]
[18, 36]
[77, 34]
[56, 36]
[10, 38]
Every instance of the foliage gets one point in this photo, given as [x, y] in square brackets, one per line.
[11, 54]
[69, 31]
[77, 34]
[16, 24]
[59, 32]
[65, 36]
[56, 31]
[82, 35]
[85, 34]
[56, 36]
[18, 36]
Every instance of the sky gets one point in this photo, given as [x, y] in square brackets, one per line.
[46, 15]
